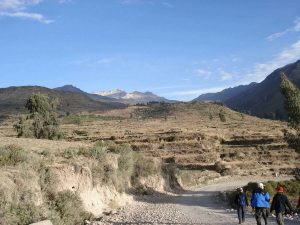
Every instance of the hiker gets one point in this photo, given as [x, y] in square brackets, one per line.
[298, 205]
[241, 201]
[260, 202]
[281, 205]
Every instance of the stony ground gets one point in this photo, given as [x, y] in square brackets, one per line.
[198, 207]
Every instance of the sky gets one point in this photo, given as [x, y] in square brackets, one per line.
[178, 49]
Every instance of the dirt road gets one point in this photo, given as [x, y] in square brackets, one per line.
[198, 207]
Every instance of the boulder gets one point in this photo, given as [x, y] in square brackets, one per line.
[45, 222]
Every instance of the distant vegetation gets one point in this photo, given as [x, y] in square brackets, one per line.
[42, 122]
[79, 119]
[292, 105]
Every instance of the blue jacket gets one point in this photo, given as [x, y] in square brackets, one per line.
[241, 199]
[260, 199]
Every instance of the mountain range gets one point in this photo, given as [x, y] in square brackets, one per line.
[262, 99]
[71, 99]
[12, 100]
[134, 97]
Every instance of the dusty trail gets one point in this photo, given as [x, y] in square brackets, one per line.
[198, 207]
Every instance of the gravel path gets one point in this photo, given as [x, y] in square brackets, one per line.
[198, 207]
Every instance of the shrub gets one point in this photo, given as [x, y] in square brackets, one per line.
[125, 168]
[81, 132]
[222, 116]
[20, 214]
[145, 167]
[70, 153]
[68, 209]
[12, 155]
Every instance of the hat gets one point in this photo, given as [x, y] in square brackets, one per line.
[260, 185]
[280, 189]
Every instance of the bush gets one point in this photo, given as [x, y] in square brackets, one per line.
[70, 153]
[222, 116]
[12, 155]
[68, 209]
[145, 167]
[20, 214]
[125, 168]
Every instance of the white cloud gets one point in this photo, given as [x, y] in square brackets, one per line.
[196, 92]
[205, 74]
[19, 9]
[295, 28]
[261, 70]
[30, 16]
[225, 75]
[64, 1]
[135, 2]
[17, 5]
[147, 2]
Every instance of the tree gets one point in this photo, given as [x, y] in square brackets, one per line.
[222, 116]
[42, 123]
[292, 106]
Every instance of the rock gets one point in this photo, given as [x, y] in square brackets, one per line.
[45, 222]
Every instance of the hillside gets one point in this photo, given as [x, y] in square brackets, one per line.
[151, 148]
[12, 100]
[263, 99]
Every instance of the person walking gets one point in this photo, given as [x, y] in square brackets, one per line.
[298, 204]
[281, 205]
[260, 203]
[241, 202]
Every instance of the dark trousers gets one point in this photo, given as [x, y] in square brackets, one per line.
[241, 213]
[261, 213]
[279, 218]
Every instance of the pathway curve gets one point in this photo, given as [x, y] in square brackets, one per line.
[198, 207]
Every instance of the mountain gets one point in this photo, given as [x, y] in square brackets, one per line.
[117, 93]
[226, 94]
[69, 88]
[96, 97]
[260, 99]
[134, 97]
[12, 100]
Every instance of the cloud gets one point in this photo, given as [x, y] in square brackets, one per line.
[147, 2]
[136, 2]
[64, 1]
[225, 75]
[205, 74]
[19, 9]
[196, 92]
[286, 56]
[295, 28]
[17, 5]
[30, 16]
